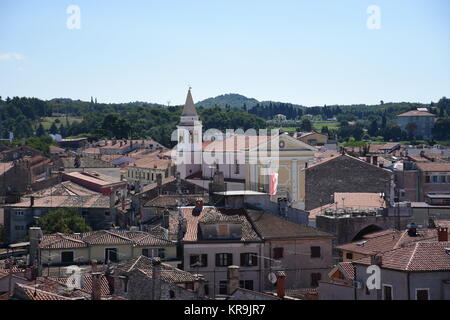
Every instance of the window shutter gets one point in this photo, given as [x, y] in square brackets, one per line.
[243, 263]
[254, 259]
[217, 259]
[229, 259]
[204, 260]
[192, 259]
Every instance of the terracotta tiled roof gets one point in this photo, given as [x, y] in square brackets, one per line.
[235, 143]
[104, 237]
[387, 240]
[65, 188]
[416, 113]
[86, 283]
[73, 201]
[434, 166]
[168, 273]
[420, 256]
[33, 293]
[347, 270]
[270, 226]
[192, 230]
[60, 240]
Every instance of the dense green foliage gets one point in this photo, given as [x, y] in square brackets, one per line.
[25, 117]
[64, 221]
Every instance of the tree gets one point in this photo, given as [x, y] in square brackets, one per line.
[411, 128]
[441, 129]
[306, 125]
[53, 128]
[373, 128]
[63, 220]
[40, 131]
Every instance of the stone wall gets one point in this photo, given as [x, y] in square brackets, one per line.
[343, 174]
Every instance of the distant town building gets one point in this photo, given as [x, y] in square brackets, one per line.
[423, 120]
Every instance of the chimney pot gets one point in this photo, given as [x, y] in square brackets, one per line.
[442, 234]
[233, 279]
[281, 284]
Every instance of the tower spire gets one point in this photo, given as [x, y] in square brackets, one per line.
[189, 107]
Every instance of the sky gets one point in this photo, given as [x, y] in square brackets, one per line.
[304, 52]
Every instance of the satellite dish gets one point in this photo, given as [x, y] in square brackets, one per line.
[272, 277]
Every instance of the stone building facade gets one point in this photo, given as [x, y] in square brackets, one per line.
[343, 173]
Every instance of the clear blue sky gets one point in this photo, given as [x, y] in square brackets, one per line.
[306, 52]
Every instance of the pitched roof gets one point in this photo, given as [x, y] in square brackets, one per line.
[218, 214]
[65, 188]
[270, 226]
[168, 273]
[347, 270]
[387, 240]
[236, 143]
[433, 166]
[420, 256]
[189, 107]
[105, 237]
[65, 201]
[33, 293]
[416, 113]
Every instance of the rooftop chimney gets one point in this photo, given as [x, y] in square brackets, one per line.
[233, 279]
[96, 293]
[376, 260]
[281, 284]
[442, 234]
[412, 230]
[375, 160]
[198, 207]
[94, 265]
[156, 279]
[110, 279]
[35, 235]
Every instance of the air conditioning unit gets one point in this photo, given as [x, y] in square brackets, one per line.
[357, 284]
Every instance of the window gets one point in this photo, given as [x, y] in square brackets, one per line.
[442, 179]
[315, 278]
[145, 252]
[349, 255]
[246, 284]
[162, 253]
[387, 292]
[171, 294]
[278, 253]
[84, 213]
[315, 252]
[249, 259]
[223, 287]
[427, 179]
[198, 260]
[19, 213]
[422, 294]
[107, 214]
[224, 259]
[111, 254]
[236, 167]
[222, 230]
[435, 179]
[18, 228]
[67, 256]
